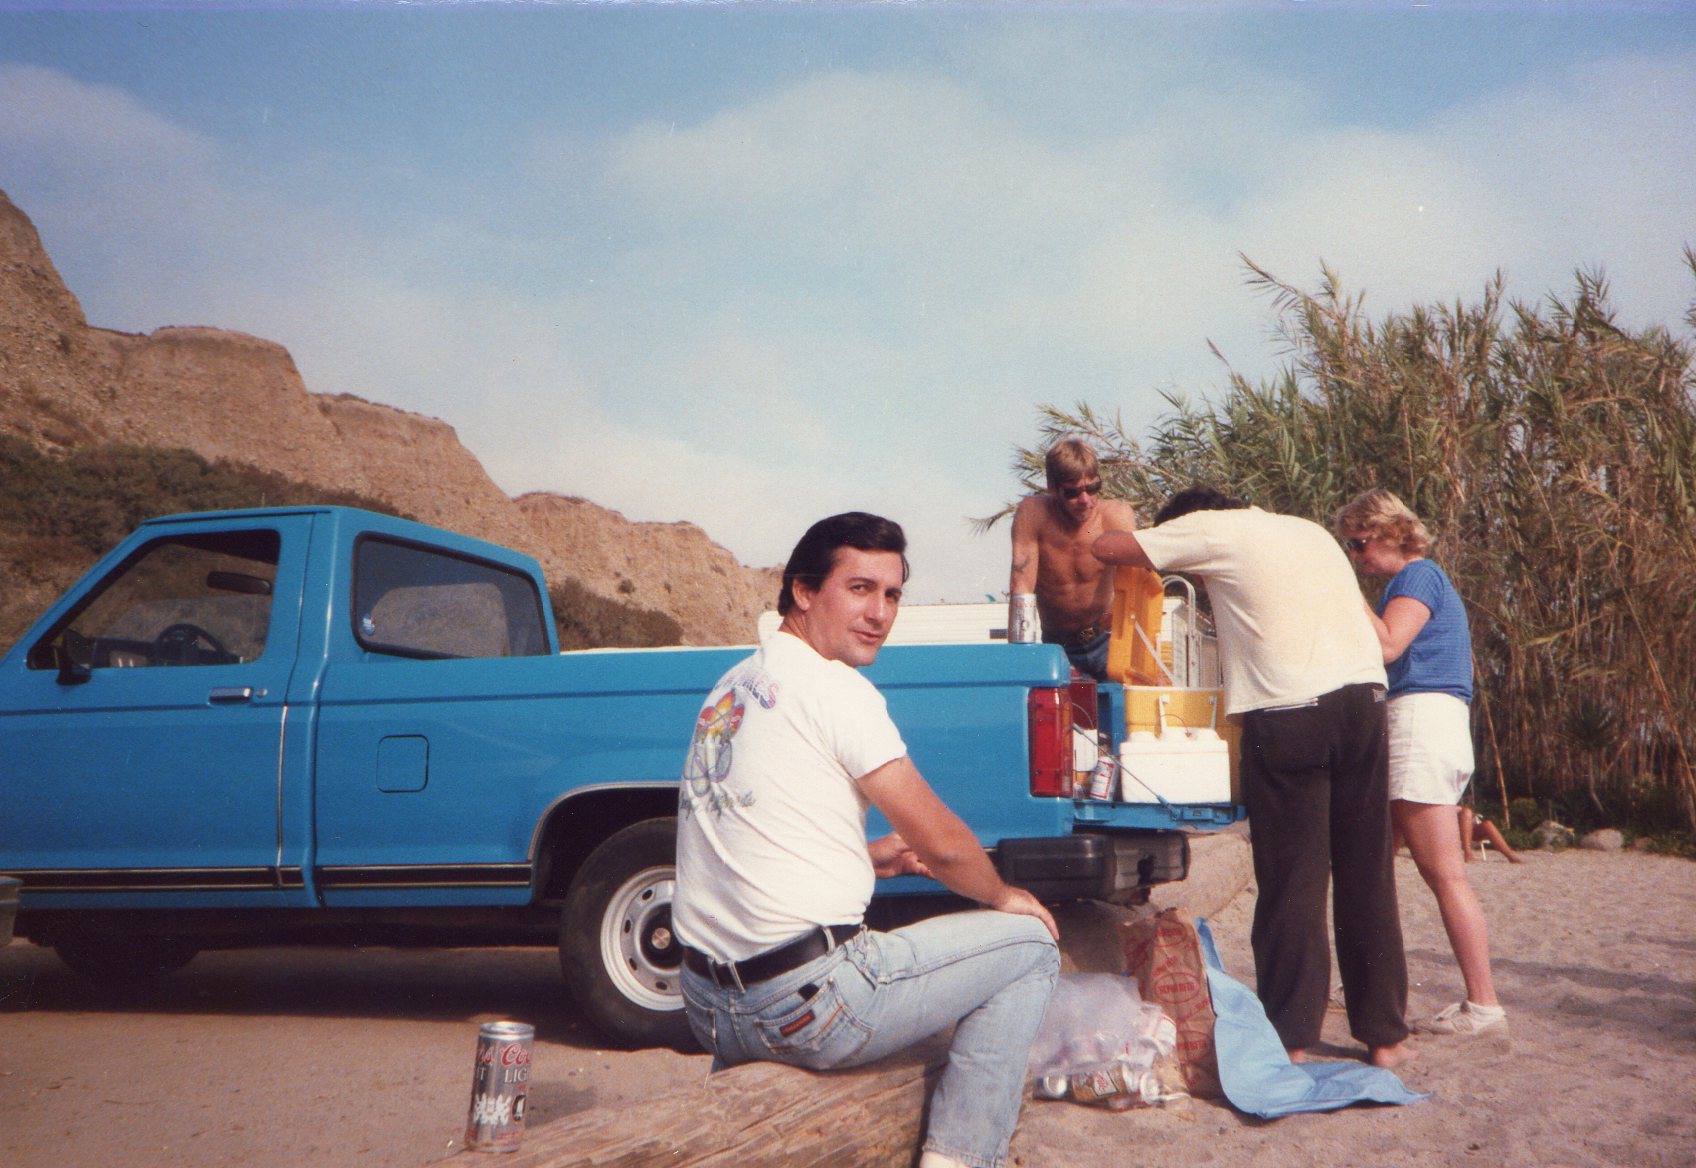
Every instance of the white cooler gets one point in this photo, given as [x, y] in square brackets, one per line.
[1175, 766]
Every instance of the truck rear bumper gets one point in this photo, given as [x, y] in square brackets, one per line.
[1094, 865]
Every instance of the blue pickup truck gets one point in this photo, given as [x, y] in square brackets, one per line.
[318, 722]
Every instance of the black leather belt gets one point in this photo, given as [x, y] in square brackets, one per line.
[1101, 626]
[773, 962]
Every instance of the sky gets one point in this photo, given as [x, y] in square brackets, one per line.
[751, 264]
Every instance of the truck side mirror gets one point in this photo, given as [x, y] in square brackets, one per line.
[76, 658]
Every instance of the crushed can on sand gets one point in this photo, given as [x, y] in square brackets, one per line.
[1115, 1085]
[499, 1085]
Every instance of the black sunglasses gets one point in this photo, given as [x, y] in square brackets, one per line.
[1357, 545]
[1071, 493]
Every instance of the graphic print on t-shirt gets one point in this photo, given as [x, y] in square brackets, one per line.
[710, 753]
[711, 748]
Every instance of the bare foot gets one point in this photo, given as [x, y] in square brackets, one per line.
[1391, 1057]
[1297, 1054]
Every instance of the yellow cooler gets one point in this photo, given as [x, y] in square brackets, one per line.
[1178, 747]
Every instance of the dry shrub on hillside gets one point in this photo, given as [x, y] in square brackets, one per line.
[586, 620]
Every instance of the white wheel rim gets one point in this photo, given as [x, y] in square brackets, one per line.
[639, 950]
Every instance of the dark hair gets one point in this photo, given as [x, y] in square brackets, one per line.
[1197, 498]
[815, 555]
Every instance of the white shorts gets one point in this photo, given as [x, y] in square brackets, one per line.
[1430, 747]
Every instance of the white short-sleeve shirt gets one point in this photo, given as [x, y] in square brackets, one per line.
[1292, 623]
[771, 829]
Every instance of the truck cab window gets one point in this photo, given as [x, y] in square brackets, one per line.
[413, 601]
[180, 601]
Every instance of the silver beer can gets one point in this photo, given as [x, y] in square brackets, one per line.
[1101, 780]
[1021, 619]
[500, 1084]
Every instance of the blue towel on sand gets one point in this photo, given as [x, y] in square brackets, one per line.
[1257, 1073]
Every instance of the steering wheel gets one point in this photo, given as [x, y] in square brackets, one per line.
[176, 645]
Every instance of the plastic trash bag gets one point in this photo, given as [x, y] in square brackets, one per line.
[1100, 1043]
[1094, 1018]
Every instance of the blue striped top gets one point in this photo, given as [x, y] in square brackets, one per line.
[1440, 658]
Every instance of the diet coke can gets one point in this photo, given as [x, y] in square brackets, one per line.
[1021, 619]
[499, 1084]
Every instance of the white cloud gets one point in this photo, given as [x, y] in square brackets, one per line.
[854, 292]
[1592, 168]
[1001, 270]
[42, 110]
[1569, 170]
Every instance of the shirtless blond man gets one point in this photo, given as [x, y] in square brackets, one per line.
[1052, 536]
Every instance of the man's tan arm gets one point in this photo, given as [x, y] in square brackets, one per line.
[1025, 520]
[943, 842]
[1121, 547]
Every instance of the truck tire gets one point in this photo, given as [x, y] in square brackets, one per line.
[120, 959]
[616, 945]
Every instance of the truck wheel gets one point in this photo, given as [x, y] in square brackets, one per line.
[616, 945]
[118, 959]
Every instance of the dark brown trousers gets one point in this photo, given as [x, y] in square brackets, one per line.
[1316, 783]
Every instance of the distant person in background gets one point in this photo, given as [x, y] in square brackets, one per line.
[1303, 669]
[1052, 536]
[1473, 825]
[1422, 629]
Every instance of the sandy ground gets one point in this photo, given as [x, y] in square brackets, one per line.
[1595, 961]
[327, 1057]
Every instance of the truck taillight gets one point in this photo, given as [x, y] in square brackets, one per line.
[1055, 715]
[1050, 713]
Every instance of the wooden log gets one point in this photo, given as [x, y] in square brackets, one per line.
[763, 1115]
[760, 1115]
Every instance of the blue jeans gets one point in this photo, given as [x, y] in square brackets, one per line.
[1088, 657]
[988, 974]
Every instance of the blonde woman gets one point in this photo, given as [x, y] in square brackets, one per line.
[1422, 628]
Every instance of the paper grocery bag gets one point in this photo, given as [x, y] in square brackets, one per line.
[1163, 953]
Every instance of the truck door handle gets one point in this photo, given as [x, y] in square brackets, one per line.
[226, 694]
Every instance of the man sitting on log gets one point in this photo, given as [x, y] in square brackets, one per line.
[774, 872]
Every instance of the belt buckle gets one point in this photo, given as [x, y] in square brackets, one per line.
[716, 972]
[1091, 631]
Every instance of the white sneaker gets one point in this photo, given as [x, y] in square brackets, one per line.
[1462, 1020]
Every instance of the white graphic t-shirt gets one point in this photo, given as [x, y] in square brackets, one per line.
[771, 825]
